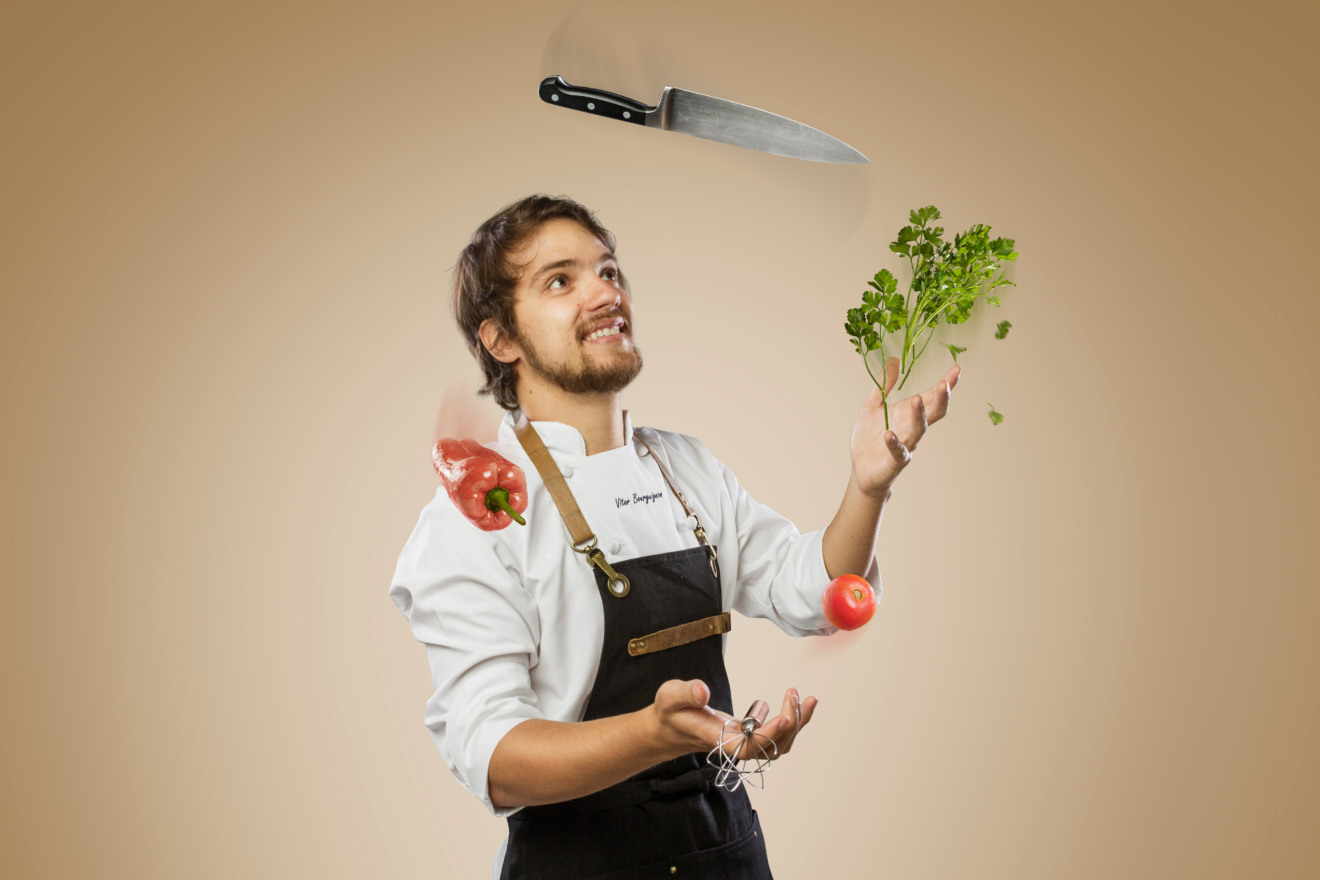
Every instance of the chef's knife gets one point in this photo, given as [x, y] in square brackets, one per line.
[713, 118]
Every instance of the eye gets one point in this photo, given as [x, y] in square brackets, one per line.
[612, 273]
[552, 281]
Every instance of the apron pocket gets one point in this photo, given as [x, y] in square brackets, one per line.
[740, 859]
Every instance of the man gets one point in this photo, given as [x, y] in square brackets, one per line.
[577, 690]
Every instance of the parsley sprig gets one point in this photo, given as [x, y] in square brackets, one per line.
[947, 279]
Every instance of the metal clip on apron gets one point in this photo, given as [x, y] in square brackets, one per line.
[668, 820]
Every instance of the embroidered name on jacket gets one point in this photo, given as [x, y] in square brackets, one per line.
[637, 499]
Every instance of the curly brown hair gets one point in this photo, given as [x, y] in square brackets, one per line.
[485, 279]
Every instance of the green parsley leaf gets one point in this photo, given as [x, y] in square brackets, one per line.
[947, 279]
[995, 417]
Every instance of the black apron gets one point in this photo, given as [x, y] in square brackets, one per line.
[669, 820]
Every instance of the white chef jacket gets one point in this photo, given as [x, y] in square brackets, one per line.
[512, 619]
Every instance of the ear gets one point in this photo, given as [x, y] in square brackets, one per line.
[498, 344]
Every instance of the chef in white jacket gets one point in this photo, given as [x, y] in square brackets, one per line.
[533, 711]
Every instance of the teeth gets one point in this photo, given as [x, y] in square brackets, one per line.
[608, 331]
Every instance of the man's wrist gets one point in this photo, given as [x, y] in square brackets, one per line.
[667, 740]
[881, 494]
[662, 738]
[875, 494]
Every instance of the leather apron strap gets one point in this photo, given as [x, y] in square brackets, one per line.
[584, 540]
[554, 480]
[678, 493]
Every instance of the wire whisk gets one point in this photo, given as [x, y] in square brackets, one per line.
[734, 736]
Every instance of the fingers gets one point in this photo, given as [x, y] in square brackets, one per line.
[937, 398]
[684, 716]
[675, 695]
[897, 449]
[914, 422]
[687, 704]
[694, 694]
[792, 710]
[936, 402]
[784, 728]
[808, 709]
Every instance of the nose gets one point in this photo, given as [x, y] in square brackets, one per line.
[603, 295]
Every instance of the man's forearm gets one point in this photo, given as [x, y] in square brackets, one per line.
[849, 540]
[544, 762]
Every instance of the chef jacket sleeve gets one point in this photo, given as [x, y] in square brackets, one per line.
[780, 573]
[462, 592]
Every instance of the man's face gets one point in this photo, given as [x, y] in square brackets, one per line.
[568, 292]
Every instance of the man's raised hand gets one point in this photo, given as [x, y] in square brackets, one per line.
[879, 454]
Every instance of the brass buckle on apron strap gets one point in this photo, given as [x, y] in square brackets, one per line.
[714, 556]
[680, 635]
[618, 583]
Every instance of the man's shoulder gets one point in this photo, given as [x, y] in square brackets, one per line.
[671, 439]
[445, 540]
[440, 522]
[682, 451]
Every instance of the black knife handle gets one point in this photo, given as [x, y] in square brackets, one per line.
[597, 102]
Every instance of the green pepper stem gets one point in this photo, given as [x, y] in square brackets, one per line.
[498, 499]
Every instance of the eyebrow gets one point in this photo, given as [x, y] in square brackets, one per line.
[560, 264]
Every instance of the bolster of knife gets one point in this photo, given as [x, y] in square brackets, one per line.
[597, 102]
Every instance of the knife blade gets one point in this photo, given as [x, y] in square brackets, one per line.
[707, 117]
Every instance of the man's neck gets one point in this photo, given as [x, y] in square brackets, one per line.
[597, 417]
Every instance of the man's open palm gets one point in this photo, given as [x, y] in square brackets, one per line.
[879, 454]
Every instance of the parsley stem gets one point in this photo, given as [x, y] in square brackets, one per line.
[884, 403]
[929, 334]
[952, 302]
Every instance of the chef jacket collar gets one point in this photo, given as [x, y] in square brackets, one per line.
[561, 439]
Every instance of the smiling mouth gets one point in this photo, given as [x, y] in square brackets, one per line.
[617, 327]
[604, 333]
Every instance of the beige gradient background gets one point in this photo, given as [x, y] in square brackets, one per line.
[227, 230]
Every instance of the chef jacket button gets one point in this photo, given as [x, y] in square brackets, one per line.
[642, 450]
[566, 471]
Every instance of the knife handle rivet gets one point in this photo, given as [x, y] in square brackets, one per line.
[591, 106]
[554, 97]
[627, 115]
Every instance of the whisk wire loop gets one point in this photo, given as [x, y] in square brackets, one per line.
[735, 738]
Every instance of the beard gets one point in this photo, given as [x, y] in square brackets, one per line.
[586, 376]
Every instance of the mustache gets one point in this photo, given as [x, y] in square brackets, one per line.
[586, 328]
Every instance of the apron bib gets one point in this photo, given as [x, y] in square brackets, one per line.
[662, 621]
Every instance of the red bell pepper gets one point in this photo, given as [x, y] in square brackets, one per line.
[490, 490]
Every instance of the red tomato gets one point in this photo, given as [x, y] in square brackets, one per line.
[849, 602]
